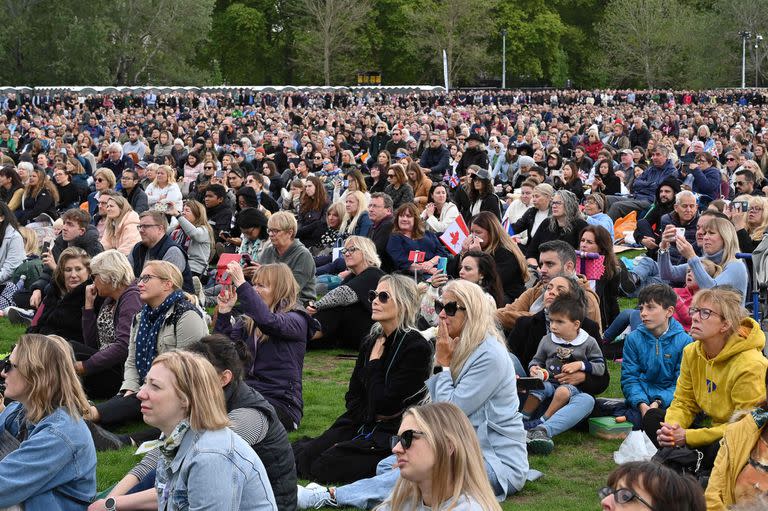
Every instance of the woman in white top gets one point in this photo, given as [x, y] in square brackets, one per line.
[520, 205]
[163, 192]
[439, 213]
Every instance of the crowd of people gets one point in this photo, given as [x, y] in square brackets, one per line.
[175, 256]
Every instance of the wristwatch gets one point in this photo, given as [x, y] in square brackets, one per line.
[663, 251]
[110, 504]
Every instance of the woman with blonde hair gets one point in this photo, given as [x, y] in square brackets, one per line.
[275, 328]
[40, 197]
[163, 193]
[356, 221]
[722, 371]
[194, 234]
[750, 225]
[166, 321]
[54, 465]
[122, 224]
[184, 400]
[473, 371]
[441, 465]
[103, 180]
[106, 324]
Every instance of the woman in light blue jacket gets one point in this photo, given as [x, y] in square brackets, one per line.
[12, 252]
[476, 374]
[54, 465]
[202, 464]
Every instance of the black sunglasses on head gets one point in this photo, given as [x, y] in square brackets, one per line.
[450, 308]
[383, 296]
[405, 438]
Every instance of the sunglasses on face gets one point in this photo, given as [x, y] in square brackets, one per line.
[383, 296]
[621, 495]
[350, 250]
[450, 308]
[405, 438]
[7, 366]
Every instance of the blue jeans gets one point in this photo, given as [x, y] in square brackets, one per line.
[368, 493]
[577, 409]
[647, 271]
[626, 318]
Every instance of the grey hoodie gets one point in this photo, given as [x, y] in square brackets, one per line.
[301, 263]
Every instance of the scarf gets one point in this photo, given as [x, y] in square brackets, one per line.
[166, 445]
[180, 237]
[149, 327]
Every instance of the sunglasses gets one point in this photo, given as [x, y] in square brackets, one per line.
[100, 180]
[390, 175]
[450, 308]
[350, 250]
[208, 168]
[7, 366]
[621, 495]
[405, 438]
[383, 296]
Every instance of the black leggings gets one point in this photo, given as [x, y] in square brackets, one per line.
[119, 410]
[103, 384]
[651, 423]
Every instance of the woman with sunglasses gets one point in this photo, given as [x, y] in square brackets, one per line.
[722, 371]
[166, 321]
[398, 187]
[645, 485]
[440, 461]
[388, 377]
[275, 328]
[344, 312]
[474, 371]
[203, 179]
[103, 180]
[54, 463]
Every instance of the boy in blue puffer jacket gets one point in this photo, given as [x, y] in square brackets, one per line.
[652, 354]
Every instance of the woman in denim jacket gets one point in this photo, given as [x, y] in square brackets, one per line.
[54, 465]
[202, 464]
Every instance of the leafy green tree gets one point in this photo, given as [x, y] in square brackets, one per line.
[238, 39]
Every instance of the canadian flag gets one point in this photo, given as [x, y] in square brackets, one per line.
[454, 236]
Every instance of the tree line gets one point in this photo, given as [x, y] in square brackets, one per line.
[582, 43]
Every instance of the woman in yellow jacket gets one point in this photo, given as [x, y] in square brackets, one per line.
[740, 467]
[723, 370]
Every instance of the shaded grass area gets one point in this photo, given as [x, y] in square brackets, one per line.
[572, 473]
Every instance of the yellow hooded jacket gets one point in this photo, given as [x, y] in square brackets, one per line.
[733, 380]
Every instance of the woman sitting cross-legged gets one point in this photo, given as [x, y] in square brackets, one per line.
[166, 321]
[111, 302]
[54, 465]
[275, 329]
[475, 372]
[344, 312]
[440, 461]
[388, 377]
[251, 417]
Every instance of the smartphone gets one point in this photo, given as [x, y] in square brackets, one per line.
[246, 260]
[345, 183]
[680, 231]
[742, 206]
[46, 246]
[529, 383]
[442, 264]
[225, 234]
[219, 174]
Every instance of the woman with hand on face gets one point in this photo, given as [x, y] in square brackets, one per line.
[54, 465]
[121, 231]
[344, 312]
[440, 461]
[722, 371]
[166, 321]
[440, 212]
[182, 397]
[602, 272]
[275, 328]
[111, 302]
[388, 377]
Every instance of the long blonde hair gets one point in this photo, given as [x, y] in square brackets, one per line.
[348, 224]
[756, 231]
[123, 205]
[285, 293]
[47, 364]
[481, 321]
[459, 469]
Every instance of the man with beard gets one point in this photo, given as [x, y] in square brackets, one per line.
[649, 228]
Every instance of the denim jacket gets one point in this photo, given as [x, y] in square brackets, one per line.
[53, 468]
[213, 470]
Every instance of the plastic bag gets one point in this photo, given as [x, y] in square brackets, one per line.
[625, 224]
[636, 447]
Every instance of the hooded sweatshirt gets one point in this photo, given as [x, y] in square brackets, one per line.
[733, 380]
[651, 365]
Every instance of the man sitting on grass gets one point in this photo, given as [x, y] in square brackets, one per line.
[652, 354]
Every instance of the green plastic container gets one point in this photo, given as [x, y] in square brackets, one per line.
[608, 429]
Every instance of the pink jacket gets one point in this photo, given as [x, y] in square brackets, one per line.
[684, 299]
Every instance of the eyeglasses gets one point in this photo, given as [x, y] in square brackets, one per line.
[207, 168]
[350, 250]
[556, 203]
[390, 175]
[273, 232]
[703, 313]
[621, 495]
[383, 296]
[8, 366]
[450, 308]
[405, 438]
[755, 209]
[147, 226]
[730, 159]
[740, 183]
[146, 278]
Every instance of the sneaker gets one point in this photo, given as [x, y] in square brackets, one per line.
[104, 440]
[533, 423]
[539, 442]
[314, 496]
[627, 283]
[19, 316]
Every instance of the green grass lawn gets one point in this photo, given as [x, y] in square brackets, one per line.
[575, 470]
